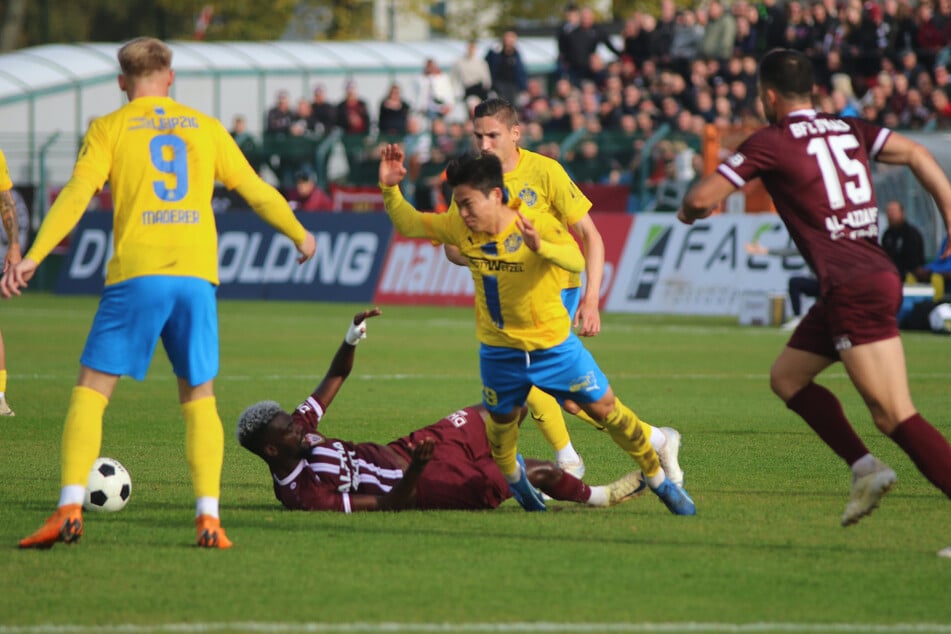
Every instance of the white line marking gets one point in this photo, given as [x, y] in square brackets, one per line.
[491, 628]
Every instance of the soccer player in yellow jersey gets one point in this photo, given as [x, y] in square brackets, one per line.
[161, 160]
[8, 215]
[517, 259]
[543, 185]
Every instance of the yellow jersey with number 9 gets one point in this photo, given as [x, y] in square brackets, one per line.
[161, 160]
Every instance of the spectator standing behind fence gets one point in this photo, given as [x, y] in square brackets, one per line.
[509, 77]
[902, 241]
[244, 140]
[571, 21]
[435, 95]
[279, 117]
[394, 111]
[323, 115]
[719, 36]
[352, 114]
[581, 43]
[688, 34]
[471, 73]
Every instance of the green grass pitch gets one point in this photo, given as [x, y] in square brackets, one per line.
[765, 552]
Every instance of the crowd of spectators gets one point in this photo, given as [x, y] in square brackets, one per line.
[675, 72]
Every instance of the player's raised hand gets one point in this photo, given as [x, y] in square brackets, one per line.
[529, 234]
[358, 327]
[392, 169]
[366, 314]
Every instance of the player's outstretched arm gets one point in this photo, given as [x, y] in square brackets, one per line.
[342, 363]
[900, 150]
[699, 201]
[407, 220]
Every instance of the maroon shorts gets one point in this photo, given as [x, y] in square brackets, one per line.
[462, 474]
[862, 311]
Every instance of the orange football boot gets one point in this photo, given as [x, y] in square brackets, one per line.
[210, 533]
[65, 525]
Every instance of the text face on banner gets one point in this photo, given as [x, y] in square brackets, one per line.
[700, 269]
[255, 262]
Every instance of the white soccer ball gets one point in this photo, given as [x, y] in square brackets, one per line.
[109, 486]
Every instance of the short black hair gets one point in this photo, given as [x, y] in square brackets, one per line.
[788, 72]
[481, 171]
[496, 107]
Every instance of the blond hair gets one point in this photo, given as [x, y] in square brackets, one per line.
[143, 56]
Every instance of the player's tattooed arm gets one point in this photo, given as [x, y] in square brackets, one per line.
[8, 215]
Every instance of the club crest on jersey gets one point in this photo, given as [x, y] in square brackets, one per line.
[528, 196]
[313, 439]
[512, 243]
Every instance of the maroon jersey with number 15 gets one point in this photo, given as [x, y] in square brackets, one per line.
[816, 168]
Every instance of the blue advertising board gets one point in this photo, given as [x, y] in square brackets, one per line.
[254, 261]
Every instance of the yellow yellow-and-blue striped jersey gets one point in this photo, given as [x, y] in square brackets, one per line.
[517, 291]
[6, 183]
[543, 185]
[161, 159]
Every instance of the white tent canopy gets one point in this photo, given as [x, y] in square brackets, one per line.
[49, 93]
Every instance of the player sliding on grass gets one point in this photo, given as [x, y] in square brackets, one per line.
[446, 465]
[161, 160]
[517, 259]
[816, 168]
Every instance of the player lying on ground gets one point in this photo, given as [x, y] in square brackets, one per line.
[447, 465]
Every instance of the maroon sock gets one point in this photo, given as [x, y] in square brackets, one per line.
[928, 449]
[823, 412]
[569, 489]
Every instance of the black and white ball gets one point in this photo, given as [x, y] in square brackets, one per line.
[109, 486]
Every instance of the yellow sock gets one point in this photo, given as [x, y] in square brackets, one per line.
[204, 446]
[3, 381]
[546, 412]
[633, 436]
[82, 435]
[503, 440]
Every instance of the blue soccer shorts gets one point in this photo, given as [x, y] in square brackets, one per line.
[566, 371]
[134, 314]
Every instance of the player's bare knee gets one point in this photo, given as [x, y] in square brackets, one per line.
[543, 474]
[783, 384]
[600, 409]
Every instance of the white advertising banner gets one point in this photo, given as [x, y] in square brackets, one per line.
[701, 269]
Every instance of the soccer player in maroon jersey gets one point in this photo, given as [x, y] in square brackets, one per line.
[447, 465]
[816, 168]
